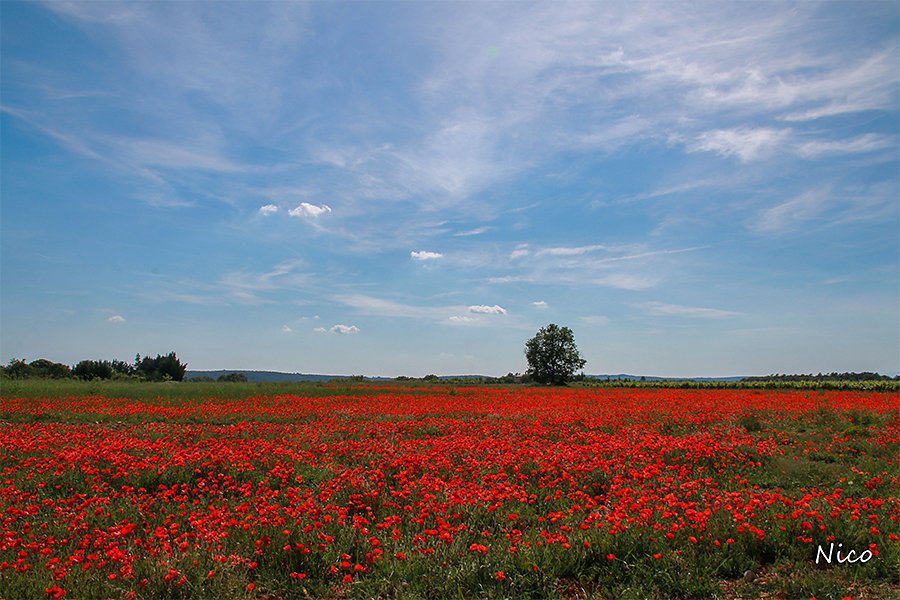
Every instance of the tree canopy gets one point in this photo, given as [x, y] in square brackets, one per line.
[552, 355]
[166, 367]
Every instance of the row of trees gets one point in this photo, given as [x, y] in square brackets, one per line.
[161, 368]
[833, 376]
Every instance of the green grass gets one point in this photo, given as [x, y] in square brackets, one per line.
[175, 390]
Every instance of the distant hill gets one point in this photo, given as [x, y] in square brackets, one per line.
[270, 376]
[278, 376]
[653, 378]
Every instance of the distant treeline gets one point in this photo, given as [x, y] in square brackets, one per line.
[864, 376]
[161, 368]
[509, 378]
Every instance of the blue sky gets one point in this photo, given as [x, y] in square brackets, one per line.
[409, 188]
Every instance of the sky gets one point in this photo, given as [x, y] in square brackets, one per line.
[406, 188]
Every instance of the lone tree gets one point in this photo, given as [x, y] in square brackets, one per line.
[552, 355]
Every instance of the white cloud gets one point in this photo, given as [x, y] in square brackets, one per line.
[268, 209]
[424, 255]
[286, 329]
[487, 310]
[116, 319]
[675, 310]
[305, 209]
[540, 304]
[339, 329]
[745, 143]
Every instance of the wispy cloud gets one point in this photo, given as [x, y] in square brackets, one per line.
[471, 232]
[387, 308]
[746, 144]
[462, 319]
[268, 209]
[116, 319]
[868, 142]
[621, 266]
[521, 251]
[596, 320]
[792, 212]
[829, 206]
[573, 251]
[220, 98]
[627, 281]
[283, 275]
[676, 310]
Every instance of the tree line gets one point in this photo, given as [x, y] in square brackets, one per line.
[834, 376]
[161, 368]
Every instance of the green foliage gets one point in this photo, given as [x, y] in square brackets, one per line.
[121, 367]
[19, 369]
[552, 355]
[16, 369]
[45, 368]
[161, 368]
[93, 369]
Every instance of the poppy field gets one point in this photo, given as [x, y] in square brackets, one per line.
[438, 492]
